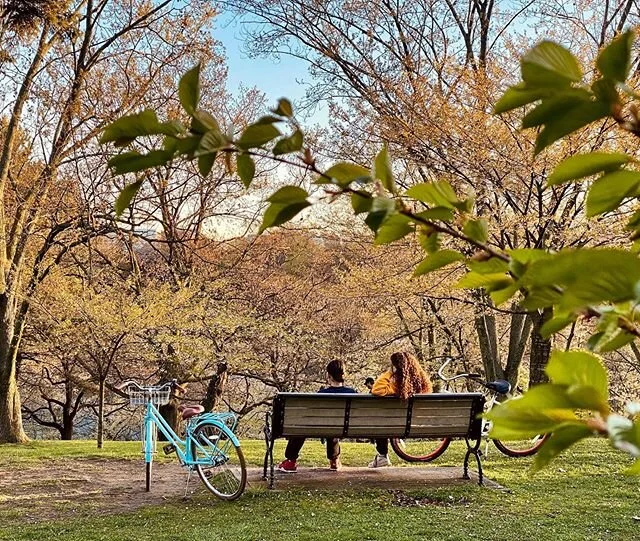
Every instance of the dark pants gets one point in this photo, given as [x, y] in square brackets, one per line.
[295, 444]
[382, 446]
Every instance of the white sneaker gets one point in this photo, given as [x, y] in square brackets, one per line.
[380, 461]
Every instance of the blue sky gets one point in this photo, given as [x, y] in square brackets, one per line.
[275, 77]
[283, 77]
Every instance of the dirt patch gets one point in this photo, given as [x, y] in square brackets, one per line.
[59, 489]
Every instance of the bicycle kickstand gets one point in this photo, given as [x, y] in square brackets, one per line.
[186, 487]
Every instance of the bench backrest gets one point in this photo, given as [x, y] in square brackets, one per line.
[363, 415]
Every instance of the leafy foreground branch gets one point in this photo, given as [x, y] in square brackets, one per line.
[596, 283]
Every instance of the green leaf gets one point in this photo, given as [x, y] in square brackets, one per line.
[476, 230]
[126, 196]
[490, 266]
[551, 107]
[246, 169]
[511, 421]
[131, 162]
[189, 90]
[437, 260]
[205, 163]
[268, 119]
[586, 277]
[284, 108]
[361, 202]
[549, 65]
[345, 173]
[634, 469]
[613, 341]
[517, 96]
[541, 297]
[570, 121]
[500, 296]
[288, 194]
[393, 228]
[562, 438]
[624, 434]
[490, 282]
[578, 370]
[608, 192]
[614, 61]
[125, 130]
[382, 170]
[439, 193]
[429, 240]
[584, 165]
[605, 91]
[256, 135]
[280, 213]
[187, 146]
[212, 141]
[556, 324]
[287, 145]
[437, 213]
[381, 209]
[202, 122]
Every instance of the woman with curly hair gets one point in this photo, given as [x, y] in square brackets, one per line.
[404, 379]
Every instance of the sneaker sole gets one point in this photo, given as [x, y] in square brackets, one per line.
[286, 471]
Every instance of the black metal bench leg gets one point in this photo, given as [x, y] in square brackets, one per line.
[475, 451]
[271, 466]
[267, 439]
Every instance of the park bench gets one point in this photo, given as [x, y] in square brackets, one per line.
[323, 415]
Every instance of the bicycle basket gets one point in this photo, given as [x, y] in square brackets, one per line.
[155, 395]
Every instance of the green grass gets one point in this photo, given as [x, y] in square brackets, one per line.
[582, 496]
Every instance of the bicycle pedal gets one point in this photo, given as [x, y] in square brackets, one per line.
[168, 449]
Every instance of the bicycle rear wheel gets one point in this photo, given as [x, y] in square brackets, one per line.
[521, 448]
[419, 450]
[219, 463]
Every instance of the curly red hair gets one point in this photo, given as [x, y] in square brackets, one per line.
[410, 376]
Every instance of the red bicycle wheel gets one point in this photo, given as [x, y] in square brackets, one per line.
[419, 450]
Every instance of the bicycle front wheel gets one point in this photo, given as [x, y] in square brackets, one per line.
[219, 463]
[419, 450]
[521, 448]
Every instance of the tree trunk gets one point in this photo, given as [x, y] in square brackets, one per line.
[169, 413]
[485, 325]
[11, 430]
[100, 413]
[518, 336]
[540, 348]
[216, 387]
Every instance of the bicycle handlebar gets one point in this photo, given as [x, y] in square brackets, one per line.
[465, 375]
[170, 385]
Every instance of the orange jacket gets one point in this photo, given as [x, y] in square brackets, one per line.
[386, 385]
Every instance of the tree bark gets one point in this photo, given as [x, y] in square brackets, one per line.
[518, 336]
[11, 430]
[485, 325]
[216, 387]
[169, 413]
[100, 437]
[540, 348]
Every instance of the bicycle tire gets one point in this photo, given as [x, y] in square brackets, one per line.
[509, 448]
[226, 475]
[421, 450]
[148, 468]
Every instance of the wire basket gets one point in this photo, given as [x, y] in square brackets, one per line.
[155, 395]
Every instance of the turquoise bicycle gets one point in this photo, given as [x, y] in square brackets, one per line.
[209, 445]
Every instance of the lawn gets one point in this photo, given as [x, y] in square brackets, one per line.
[584, 495]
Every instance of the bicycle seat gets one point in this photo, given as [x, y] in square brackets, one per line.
[500, 386]
[190, 411]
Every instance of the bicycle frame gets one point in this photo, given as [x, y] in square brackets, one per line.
[183, 447]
